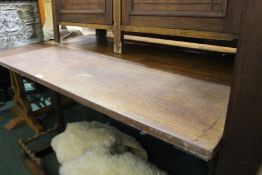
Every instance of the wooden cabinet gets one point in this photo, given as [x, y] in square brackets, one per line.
[204, 15]
[205, 19]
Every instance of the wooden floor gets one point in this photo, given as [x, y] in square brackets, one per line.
[178, 97]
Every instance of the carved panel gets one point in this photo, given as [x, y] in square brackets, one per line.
[195, 8]
[83, 6]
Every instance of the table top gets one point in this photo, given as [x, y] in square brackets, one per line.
[185, 111]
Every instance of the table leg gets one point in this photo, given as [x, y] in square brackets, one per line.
[118, 35]
[60, 122]
[22, 108]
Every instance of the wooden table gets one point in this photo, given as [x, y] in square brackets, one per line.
[186, 111]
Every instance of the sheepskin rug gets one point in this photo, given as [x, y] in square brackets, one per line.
[80, 137]
[100, 161]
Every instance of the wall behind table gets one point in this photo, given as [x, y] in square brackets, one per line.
[20, 24]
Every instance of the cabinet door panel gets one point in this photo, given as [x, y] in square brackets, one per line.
[193, 8]
[86, 11]
[205, 15]
[87, 5]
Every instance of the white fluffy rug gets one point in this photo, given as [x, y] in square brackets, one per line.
[80, 137]
[94, 148]
[101, 162]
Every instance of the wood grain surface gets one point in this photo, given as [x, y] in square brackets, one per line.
[242, 141]
[184, 110]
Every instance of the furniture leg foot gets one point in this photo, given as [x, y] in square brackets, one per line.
[15, 123]
[57, 34]
[101, 33]
[118, 47]
[32, 167]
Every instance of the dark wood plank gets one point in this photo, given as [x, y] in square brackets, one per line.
[209, 66]
[28, 48]
[186, 111]
[241, 149]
